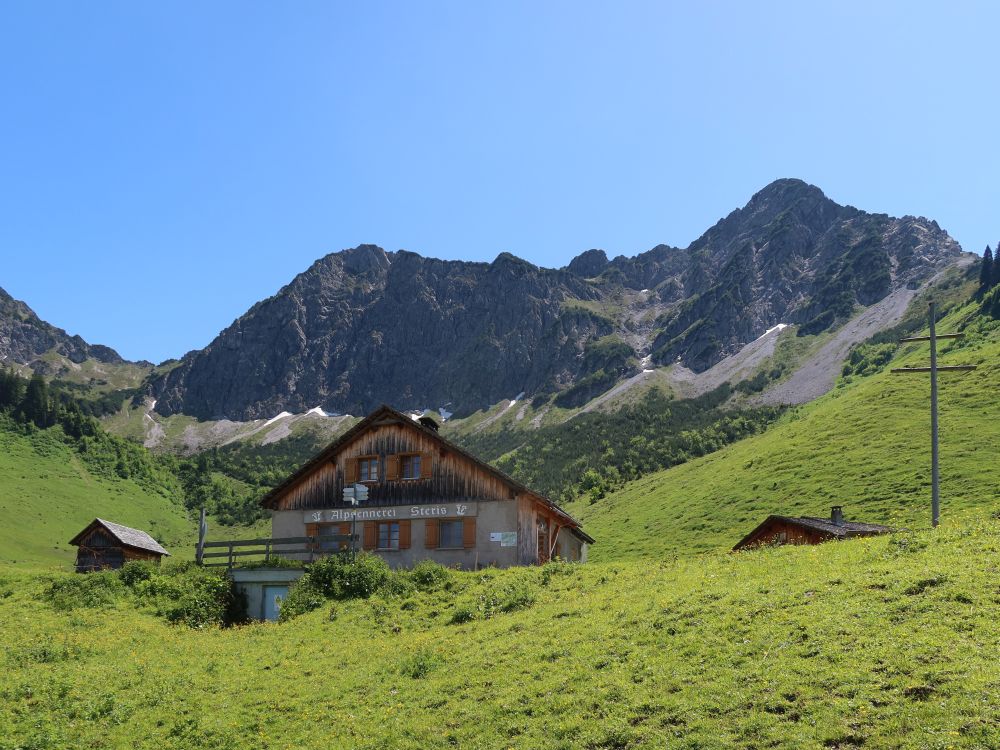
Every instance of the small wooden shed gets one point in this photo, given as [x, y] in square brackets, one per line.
[807, 530]
[104, 545]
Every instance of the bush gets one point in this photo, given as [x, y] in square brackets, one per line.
[418, 664]
[135, 571]
[302, 597]
[428, 575]
[344, 577]
[205, 599]
[462, 615]
[93, 590]
[182, 594]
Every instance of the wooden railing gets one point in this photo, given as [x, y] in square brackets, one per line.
[268, 548]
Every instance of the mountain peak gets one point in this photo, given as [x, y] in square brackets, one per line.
[588, 264]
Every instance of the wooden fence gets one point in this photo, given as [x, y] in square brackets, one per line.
[313, 546]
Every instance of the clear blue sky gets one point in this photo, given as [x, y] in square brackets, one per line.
[165, 165]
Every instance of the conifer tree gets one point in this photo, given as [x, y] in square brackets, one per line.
[986, 270]
[36, 407]
[995, 278]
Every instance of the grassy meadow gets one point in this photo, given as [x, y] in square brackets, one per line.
[889, 642]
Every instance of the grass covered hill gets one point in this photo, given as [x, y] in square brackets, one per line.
[865, 445]
[48, 493]
[889, 642]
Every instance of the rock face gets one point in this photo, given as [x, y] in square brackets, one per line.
[365, 326]
[24, 337]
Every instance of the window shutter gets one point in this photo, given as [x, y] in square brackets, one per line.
[404, 534]
[469, 532]
[426, 460]
[312, 529]
[351, 471]
[369, 535]
[431, 533]
[345, 529]
[391, 467]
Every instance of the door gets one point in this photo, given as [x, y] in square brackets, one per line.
[543, 542]
[273, 597]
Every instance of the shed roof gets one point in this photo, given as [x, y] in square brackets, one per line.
[125, 534]
[842, 530]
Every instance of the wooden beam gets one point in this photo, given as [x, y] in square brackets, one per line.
[939, 368]
[261, 542]
[937, 336]
[247, 553]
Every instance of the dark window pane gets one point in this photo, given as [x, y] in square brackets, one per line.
[451, 533]
[388, 535]
[411, 467]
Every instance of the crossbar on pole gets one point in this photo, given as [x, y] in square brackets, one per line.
[939, 368]
[939, 336]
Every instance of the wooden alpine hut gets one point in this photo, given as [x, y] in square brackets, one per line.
[104, 545]
[807, 530]
[424, 498]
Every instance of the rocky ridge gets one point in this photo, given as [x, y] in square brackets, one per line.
[365, 326]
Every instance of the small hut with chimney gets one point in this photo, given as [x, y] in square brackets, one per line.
[807, 530]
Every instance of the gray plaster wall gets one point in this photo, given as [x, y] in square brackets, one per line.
[251, 584]
[493, 516]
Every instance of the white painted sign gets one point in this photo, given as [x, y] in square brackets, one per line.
[392, 513]
[508, 539]
[495, 536]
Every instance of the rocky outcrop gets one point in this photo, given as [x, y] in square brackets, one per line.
[24, 337]
[792, 255]
[365, 326]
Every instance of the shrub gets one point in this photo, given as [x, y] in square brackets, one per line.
[302, 597]
[344, 577]
[428, 575]
[462, 615]
[418, 664]
[341, 577]
[135, 571]
[94, 590]
[205, 599]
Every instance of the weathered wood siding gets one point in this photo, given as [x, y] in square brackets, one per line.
[783, 532]
[452, 476]
[99, 550]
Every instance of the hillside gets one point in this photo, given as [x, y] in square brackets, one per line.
[365, 326]
[865, 446]
[47, 494]
[881, 643]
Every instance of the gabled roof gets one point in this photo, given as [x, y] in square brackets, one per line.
[387, 412]
[843, 530]
[125, 534]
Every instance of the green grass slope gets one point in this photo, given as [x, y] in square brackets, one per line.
[865, 445]
[878, 643]
[47, 495]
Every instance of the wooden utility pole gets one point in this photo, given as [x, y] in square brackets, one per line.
[933, 370]
[202, 533]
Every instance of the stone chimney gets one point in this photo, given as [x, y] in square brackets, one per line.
[837, 515]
